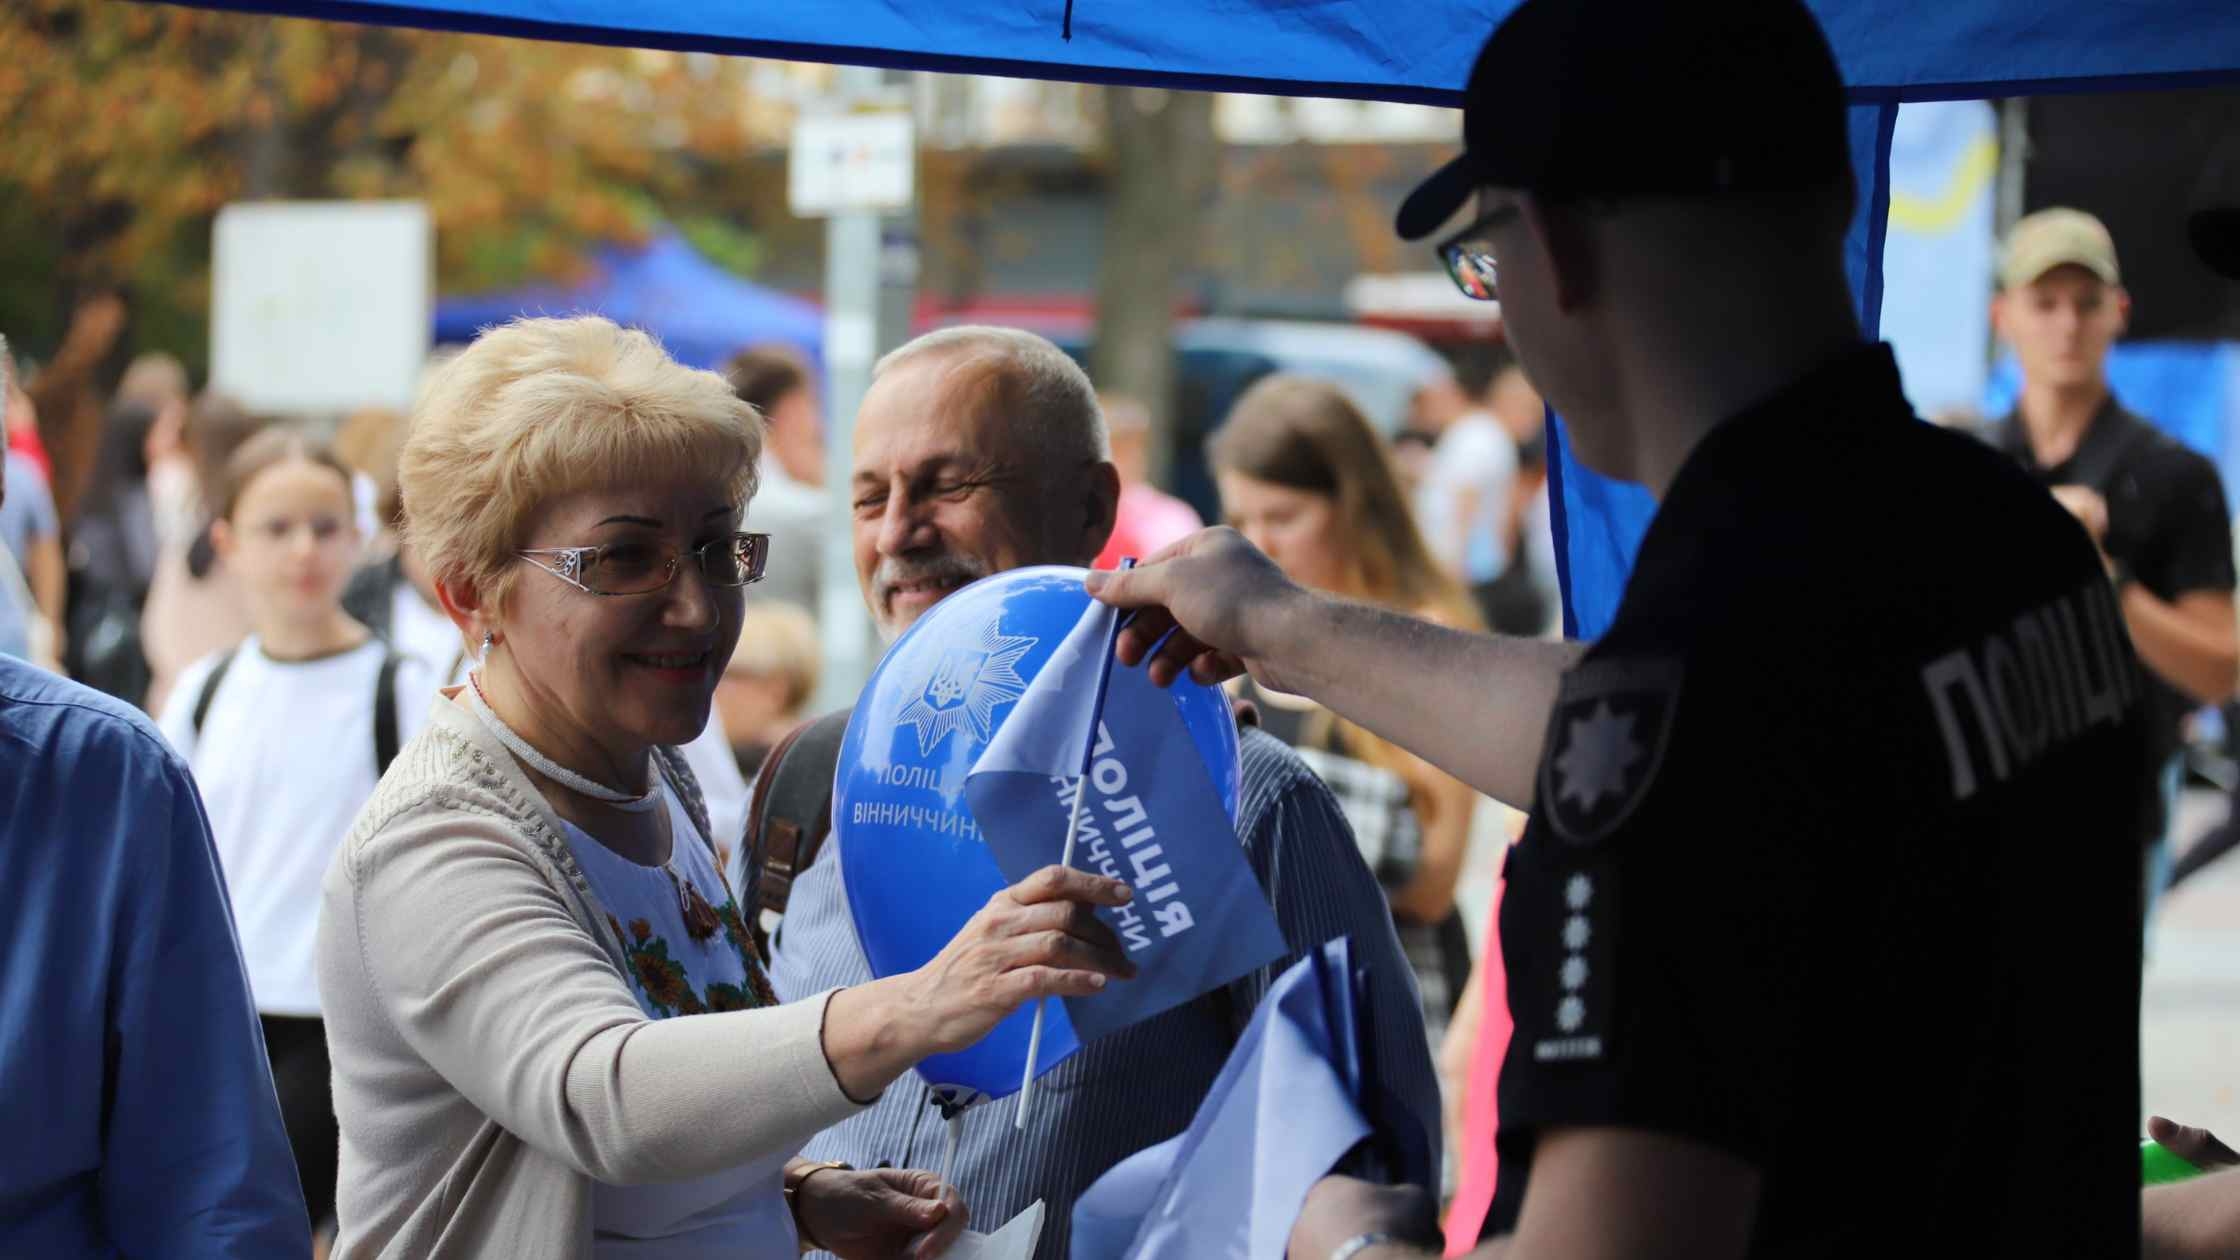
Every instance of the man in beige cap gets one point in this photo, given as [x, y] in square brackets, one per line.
[2155, 507]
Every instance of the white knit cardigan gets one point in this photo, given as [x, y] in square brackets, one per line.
[490, 1060]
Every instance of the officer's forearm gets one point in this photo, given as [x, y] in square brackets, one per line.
[1474, 705]
[2193, 1220]
[2190, 643]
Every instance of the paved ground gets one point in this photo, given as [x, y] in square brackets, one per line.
[2189, 1034]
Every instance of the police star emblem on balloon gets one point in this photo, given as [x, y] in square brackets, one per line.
[956, 777]
[1605, 742]
[966, 685]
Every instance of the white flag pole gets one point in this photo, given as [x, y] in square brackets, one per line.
[1042, 1008]
[1073, 829]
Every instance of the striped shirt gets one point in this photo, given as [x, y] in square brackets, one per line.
[1139, 1086]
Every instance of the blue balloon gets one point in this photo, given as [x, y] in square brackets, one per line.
[910, 856]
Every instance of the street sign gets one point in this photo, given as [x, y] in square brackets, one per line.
[844, 162]
[320, 308]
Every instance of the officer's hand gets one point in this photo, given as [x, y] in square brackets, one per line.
[2198, 1147]
[2089, 507]
[1339, 1208]
[1223, 598]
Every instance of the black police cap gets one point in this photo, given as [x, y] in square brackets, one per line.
[1620, 98]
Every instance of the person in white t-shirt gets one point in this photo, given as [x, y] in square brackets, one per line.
[1462, 502]
[287, 733]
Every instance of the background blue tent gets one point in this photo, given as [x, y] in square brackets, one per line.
[1891, 51]
[702, 313]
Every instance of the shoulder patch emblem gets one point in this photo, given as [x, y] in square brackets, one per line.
[1605, 741]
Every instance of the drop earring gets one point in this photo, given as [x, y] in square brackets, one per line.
[488, 639]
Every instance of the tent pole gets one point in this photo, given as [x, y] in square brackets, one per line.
[851, 342]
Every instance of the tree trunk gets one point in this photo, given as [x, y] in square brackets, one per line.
[1163, 162]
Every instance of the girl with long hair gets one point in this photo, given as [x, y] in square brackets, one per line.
[1305, 478]
[287, 733]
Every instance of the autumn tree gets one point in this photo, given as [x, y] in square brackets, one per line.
[1162, 160]
[124, 127]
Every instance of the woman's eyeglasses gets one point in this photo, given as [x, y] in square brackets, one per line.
[640, 568]
[1468, 255]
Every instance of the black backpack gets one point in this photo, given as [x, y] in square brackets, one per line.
[789, 815]
[385, 742]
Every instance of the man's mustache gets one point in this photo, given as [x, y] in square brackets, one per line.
[946, 568]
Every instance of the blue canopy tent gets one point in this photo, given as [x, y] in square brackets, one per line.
[1891, 51]
[702, 313]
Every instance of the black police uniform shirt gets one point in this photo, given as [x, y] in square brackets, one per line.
[1812, 875]
[2167, 524]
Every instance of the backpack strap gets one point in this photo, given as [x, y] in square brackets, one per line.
[2097, 466]
[385, 742]
[789, 815]
[2094, 466]
[209, 690]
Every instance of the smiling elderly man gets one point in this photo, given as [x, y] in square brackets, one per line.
[979, 450]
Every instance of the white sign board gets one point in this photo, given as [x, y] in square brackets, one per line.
[321, 307]
[843, 162]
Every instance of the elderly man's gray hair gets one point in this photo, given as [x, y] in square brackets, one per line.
[1059, 418]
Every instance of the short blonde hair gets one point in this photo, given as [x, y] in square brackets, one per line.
[545, 407]
[779, 640]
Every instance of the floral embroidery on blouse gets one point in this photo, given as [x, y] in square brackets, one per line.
[660, 977]
[728, 997]
[667, 988]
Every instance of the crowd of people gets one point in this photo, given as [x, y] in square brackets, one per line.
[270, 592]
[432, 856]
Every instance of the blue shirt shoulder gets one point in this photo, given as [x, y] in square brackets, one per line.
[47, 711]
[159, 1131]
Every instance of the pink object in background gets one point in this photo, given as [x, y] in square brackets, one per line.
[24, 440]
[1473, 1196]
[1147, 520]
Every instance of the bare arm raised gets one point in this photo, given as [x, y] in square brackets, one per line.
[1474, 705]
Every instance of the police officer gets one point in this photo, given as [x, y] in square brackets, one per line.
[2155, 507]
[1810, 946]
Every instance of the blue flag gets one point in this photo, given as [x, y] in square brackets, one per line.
[1293, 1099]
[1152, 817]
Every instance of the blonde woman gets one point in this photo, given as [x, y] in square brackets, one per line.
[1303, 476]
[551, 1034]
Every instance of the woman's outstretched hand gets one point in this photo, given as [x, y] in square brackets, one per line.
[1038, 938]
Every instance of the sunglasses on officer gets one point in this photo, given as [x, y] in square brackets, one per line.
[1468, 255]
